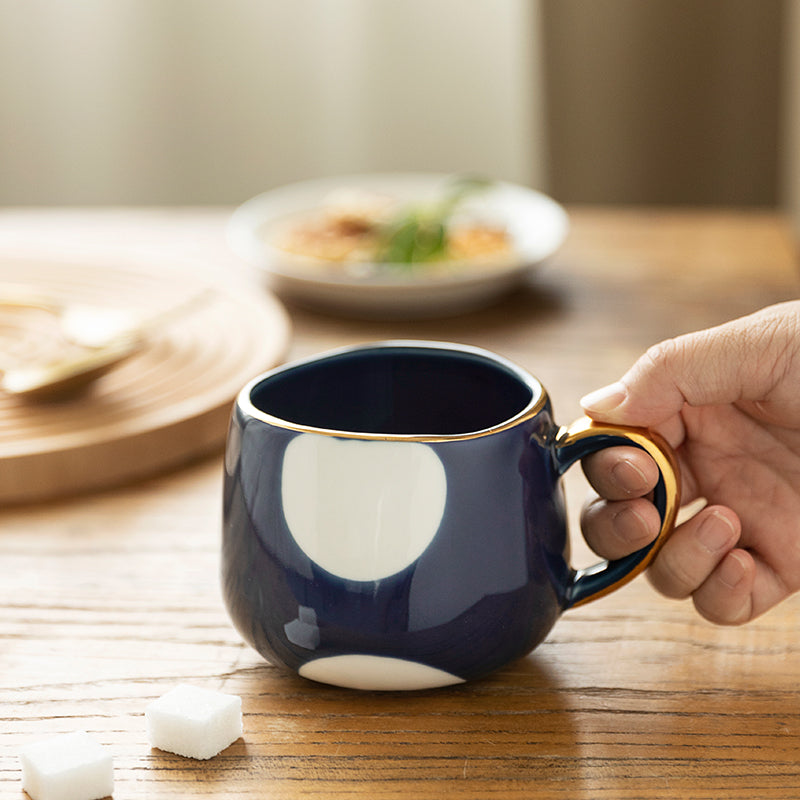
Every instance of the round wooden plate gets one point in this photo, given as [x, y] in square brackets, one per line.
[164, 407]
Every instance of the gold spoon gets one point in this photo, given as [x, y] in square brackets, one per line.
[68, 376]
[107, 337]
[98, 326]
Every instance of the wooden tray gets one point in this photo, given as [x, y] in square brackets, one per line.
[162, 408]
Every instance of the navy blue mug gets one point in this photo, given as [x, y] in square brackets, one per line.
[394, 516]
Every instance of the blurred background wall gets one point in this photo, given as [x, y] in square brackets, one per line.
[212, 101]
[669, 101]
[789, 182]
[204, 101]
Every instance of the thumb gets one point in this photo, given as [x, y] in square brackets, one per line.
[741, 360]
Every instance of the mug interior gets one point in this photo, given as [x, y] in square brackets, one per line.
[397, 390]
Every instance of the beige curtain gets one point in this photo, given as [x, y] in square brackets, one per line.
[212, 101]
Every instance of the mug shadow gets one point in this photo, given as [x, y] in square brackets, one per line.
[501, 732]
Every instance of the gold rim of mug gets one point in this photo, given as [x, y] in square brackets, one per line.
[537, 403]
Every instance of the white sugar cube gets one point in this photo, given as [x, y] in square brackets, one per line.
[70, 766]
[194, 722]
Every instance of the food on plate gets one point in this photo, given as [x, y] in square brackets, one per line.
[358, 227]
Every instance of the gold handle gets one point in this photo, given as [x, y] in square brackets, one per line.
[586, 436]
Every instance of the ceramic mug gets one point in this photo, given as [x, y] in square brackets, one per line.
[394, 516]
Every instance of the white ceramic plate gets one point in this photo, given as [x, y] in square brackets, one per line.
[536, 224]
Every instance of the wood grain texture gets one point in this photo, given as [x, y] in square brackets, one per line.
[107, 601]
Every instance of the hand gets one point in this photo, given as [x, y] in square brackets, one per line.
[727, 400]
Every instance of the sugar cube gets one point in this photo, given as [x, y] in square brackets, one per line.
[194, 722]
[70, 766]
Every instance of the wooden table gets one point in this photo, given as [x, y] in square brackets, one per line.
[108, 600]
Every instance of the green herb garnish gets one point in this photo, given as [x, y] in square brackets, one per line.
[419, 233]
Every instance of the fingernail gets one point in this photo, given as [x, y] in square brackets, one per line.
[601, 401]
[631, 527]
[630, 478]
[732, 570]
[716, 533]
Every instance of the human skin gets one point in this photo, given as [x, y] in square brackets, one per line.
[727, 399]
